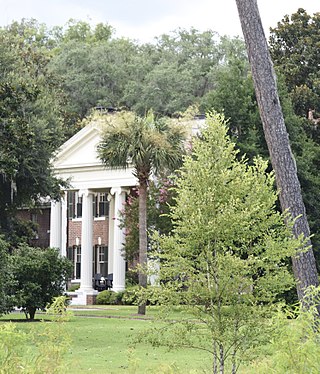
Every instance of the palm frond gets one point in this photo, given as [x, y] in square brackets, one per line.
[146, 143]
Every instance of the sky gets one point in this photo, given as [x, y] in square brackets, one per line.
[143, 20]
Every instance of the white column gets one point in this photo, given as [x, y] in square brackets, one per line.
[119, 265]
[86, 241]
[55, 225]
[110, 234]
[64, 225]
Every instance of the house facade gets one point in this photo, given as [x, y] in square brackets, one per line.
[84, 225]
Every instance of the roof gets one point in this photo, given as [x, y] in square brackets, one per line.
[78, 162]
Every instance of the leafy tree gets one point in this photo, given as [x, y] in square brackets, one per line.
[39, 276]
[234, 96]
[225, 260]
[283, 163]
[93, 68]
[5, 279]
[30, 121]
[294, 46]
[174, 73]
[148, 145]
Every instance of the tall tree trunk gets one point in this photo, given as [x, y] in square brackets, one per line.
[283, 163]
[143, 243]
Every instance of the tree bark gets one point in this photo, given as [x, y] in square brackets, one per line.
[31, 311]
[143, 241]
[283, 163]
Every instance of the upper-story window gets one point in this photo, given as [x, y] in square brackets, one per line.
[100, 205]
[74, 205]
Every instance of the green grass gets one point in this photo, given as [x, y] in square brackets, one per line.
[106, 345]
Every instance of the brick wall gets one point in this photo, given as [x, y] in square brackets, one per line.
[41, 218]
[100, 228]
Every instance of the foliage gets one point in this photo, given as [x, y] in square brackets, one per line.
[234, 96]
[6, 301]
[58, 308]
[39, 276]
[167, 76]
[74, 287]
[129, 296]
[33, 351]
[294, 46]
[226, 258]
[148, 144]
[106, 297]
[160, 197]
[295, 345]
[30, 121]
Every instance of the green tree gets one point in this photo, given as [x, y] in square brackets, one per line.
[6, 301]
[148, 145]
[39, 275]
[294, 46]
[30, 121]
[233, 95]
[225, 260]
[93, 68]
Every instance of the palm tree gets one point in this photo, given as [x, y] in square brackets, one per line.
[149, 146]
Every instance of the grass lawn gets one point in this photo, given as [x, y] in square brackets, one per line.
[105, 345]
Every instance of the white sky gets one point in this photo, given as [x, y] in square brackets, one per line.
[144, 19]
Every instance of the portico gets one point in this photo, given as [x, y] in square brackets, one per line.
[85, 223]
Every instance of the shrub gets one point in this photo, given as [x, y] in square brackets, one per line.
[130, 296]
[58, 308]
[39, 275]
[74, 287]
[107, 298]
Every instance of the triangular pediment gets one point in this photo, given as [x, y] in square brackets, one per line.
[81, 149]
[78, 163]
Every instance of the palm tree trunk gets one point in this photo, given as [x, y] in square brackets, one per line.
[283, 163]
[143, 243]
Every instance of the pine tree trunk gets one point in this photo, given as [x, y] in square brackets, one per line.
[283, 163]
[143, 243]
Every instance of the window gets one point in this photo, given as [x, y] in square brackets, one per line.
[77, 262]
[74, 255]
[35, 225]
[74, 205]
[101, 205]
[100, 260]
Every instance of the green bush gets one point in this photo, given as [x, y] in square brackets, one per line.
[39, 275]
[58, 309]
[74, 287]
[130, 296]
[107, 298]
